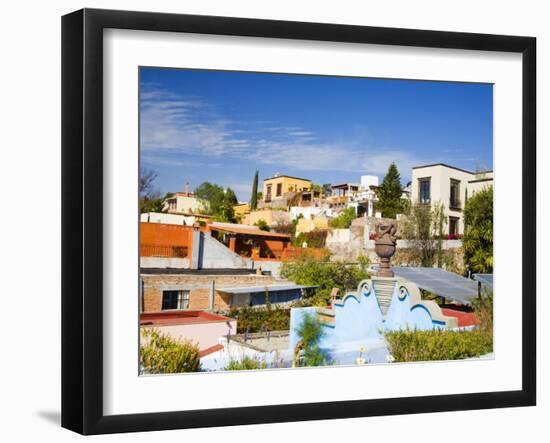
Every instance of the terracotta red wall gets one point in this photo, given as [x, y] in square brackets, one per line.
[166, 235]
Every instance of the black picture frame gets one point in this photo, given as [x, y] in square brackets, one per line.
[82, 215]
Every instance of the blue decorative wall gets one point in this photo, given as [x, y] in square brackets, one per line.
[358, 321]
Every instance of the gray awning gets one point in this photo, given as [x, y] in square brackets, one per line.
[440, 282]
[257, 289]
[484, 279]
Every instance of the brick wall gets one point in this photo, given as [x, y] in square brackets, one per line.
[199, 287]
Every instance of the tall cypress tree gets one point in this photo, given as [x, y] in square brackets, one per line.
[389, 194]
[254, 197]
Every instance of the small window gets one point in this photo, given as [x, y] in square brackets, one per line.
[279, 189]
[175, 300]
[268, 193]
[454, 200]
[453, 225]
[424, 191]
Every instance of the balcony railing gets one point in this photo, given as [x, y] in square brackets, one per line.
[455, 205]
[163, 251]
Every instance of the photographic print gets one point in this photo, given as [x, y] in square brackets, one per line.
[291, 221]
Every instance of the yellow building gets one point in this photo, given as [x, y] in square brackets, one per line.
[275, 187]
[307, 225]
[241, 209]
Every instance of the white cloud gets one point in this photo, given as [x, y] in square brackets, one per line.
[172, 123]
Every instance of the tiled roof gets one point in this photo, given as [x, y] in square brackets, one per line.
[252, 231]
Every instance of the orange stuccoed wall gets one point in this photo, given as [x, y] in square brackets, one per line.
[159, 234]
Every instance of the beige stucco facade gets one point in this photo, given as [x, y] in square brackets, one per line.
[310, 224]
[241, 209]
[270, 216]
[449, 186]
[275, 188]
[183, 203]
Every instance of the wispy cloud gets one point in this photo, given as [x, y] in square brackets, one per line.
[178, 124]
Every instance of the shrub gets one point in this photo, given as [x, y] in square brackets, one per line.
[407, 346]
[309, 333]
[262, 224]
[423, 227]
[274, 318]
[344, 219]
[162, 354]
[478, 231]
[246, 363]
[483, 308]
[314, 239]
[324, 275]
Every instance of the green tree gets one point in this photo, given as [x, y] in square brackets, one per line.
[389, 194]
[162, 354]
[217, 201]
[211, 195]
[226, 213]
[324, 276]
[254, 196]
[344, 219]
[423, 227]
[150, 199]
[309, 333]
[478, 232]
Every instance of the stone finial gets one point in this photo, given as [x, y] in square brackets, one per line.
[384, 246]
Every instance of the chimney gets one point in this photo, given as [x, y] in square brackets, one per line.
[212, 296]
[186, 189]
[196, 248]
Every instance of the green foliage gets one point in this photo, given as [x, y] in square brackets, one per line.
[363, 262]
[324, 275]
[286, 228]
[310, 332]
[344, 219]
[389, 194]
[447, 345]
[246, 363]
[254, 195]
[406, 346]
[218, 201]
[272, 317]
[262, 224]
[423, 226]
[162, 354]
[483, 308]
[152, 203]
[314, 239]
[150, 199]
[478, 233]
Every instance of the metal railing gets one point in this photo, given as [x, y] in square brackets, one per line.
[163, 251]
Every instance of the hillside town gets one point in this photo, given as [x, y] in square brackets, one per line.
[230, 278]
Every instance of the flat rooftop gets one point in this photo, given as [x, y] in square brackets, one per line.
[182, 271]
[173, 318]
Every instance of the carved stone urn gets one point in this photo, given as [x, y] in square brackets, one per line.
[384, 246]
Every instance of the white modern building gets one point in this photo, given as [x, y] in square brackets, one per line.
[450, 186]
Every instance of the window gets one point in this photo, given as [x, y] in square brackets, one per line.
[454, 200]
[175, 300]
[268, 193]
[453, 225]
[424, 191]
[279, 190]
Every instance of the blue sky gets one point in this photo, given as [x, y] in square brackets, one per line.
[218, 126]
